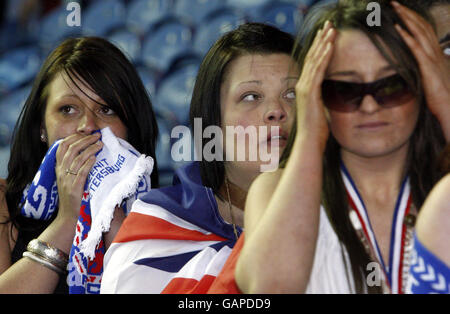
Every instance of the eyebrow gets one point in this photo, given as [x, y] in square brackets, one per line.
[250, 82]
[445, 38]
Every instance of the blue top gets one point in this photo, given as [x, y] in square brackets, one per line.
[428, 273]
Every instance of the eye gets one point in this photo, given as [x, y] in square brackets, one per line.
[67, 109]
[446, 50]
[290, 94]
[107, 111]
[251, 97]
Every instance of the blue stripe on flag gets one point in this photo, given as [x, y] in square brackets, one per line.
[171, 264]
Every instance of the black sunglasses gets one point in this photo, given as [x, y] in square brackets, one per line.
[347, 97]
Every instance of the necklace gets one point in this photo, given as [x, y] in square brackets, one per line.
[234, 196]
[231, 208]
[394, 276]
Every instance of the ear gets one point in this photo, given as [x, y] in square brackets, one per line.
[43, 135]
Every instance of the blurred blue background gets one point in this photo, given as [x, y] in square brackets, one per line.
[165, 40]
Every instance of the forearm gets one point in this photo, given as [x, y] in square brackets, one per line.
[278, 254]
[28, 276]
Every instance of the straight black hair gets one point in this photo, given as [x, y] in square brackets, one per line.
[112, 77]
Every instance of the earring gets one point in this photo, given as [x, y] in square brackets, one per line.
[43, 138]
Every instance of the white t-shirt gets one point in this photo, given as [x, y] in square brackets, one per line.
[329, 273]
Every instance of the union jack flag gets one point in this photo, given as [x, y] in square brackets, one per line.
[173, 241]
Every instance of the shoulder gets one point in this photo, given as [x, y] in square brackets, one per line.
[433, 222]
[436, 208]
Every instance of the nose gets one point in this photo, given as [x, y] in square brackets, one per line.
[275, 113]
[87, 123]
[369, 105]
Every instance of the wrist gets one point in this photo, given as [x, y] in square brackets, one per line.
[60, 233]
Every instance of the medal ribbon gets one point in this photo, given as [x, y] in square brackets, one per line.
[360, 220]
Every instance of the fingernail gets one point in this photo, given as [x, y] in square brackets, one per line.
[395, 4]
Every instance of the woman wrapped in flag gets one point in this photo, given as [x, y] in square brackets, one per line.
[176, 239]
[372, 118]
[85, 139]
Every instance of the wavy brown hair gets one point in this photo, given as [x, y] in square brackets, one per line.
[426, 142]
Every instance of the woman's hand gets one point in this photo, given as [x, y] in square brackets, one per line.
[311, 113]
[424, 44]
[74, 159]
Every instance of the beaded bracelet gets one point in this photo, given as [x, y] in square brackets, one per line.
[46, 254]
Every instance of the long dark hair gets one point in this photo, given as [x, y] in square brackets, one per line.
[249, 38]
[426, 141]
[113, 78]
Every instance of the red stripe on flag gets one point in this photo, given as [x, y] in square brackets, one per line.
[140, 227]
[189, 285]
[225, 283]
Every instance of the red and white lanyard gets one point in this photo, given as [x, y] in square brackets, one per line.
[401, 233]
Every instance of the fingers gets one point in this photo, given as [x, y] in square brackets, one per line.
[325, 56]
[81, 158]
[75, 158]
[72, 146]
[83, 171]
[423, 35]
[317, 60]
[420, 55]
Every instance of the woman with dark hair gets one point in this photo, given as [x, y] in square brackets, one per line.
[372, 118]
[84, 85]
[177, 238]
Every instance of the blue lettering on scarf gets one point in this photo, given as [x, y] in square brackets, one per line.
[102, 169]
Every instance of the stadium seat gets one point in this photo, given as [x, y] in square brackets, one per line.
[300, 3]
[215, 25]
[285, 16]
[248, 4]
[143, 14]
[166, 42]
[101, 17]
[194, 11]
[54, 28]
[10, 108]
[18, 66]
[4, 158]
[149, 80]
[128, 42]
[163, 153]
[174, 93]
[163, 157]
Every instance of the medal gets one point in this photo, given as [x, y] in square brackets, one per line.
[396, 273]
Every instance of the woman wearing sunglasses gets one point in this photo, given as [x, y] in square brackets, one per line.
[373, 115]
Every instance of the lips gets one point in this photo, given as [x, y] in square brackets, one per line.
[372, 125]
[281, 137]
